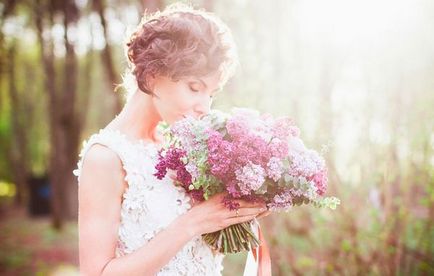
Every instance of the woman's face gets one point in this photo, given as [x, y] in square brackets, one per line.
[190, 96]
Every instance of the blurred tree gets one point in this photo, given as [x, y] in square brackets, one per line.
[107, 58]
[208, 5]
[65, 123]
[15, 112]
[18, 151]
[152, 5]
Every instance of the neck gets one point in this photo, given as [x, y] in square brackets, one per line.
[138, 119]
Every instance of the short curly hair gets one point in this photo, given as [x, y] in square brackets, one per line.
[181, 41]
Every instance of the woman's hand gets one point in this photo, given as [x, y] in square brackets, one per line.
[212, 215]
[263, 214]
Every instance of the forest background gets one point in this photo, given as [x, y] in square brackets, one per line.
[356, 76]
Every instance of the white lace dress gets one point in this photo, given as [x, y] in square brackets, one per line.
[149, 205]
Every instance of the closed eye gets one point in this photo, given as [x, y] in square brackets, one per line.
[194, 90]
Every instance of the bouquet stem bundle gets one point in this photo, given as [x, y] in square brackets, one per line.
[233, 239]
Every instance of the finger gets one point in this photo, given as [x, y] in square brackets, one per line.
[236, 220]
[245, 212]
[220, 195]
[263, 214]
[247, 204]
[194, 202]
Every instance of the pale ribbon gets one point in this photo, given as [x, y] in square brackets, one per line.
[258, 261]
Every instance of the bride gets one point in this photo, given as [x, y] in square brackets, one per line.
[131, 223]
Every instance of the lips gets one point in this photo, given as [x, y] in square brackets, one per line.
[197, 117]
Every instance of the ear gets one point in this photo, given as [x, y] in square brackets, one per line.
[151, 80]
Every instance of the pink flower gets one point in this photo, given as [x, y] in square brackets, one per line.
[233, 190]
[219, 154]
[192, 169]
[275, 168]
[250, 177]
[283, 128]
[236, 128]
[281, 201]
[279, 148]
[320, 180]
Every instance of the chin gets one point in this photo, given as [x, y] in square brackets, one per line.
[172, 120]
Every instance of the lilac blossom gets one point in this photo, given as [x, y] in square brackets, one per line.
[274, 168]
[250, 177]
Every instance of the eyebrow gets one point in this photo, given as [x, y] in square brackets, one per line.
[204, 84]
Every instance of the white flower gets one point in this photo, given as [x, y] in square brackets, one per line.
[274, 168]
[296, 144]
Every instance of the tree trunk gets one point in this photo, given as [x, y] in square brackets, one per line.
[18, 147]
[107, 59]
[83, 102]
[68, 128]
[152, 5]
[64, 123]
[47, 56]
[208, 5]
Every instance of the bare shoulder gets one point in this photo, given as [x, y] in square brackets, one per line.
[102, 169]
[100, 156]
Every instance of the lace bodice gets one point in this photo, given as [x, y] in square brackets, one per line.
[149, 205]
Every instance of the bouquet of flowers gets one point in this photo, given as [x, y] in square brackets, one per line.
[251, 156]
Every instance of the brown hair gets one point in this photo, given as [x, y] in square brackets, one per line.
[181, 41]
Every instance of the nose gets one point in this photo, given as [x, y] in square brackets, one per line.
[203, 106]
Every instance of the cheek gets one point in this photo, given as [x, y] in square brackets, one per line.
[177, 102]
[182, 100]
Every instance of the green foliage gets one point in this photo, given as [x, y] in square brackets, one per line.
[330, 202]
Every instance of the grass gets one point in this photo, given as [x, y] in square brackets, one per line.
[31, 247]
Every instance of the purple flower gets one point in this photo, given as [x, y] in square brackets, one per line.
[233, 190]
[279, 148]
[197, 194]
[250, 178]
[230, 203]
[172, 159]
[183, 176]
[320, 180]
[283, 128]
[219, 154]
[305, 163]
[274, 168]
[281, 201]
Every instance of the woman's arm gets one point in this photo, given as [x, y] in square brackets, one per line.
[155, 254]
[100, 196]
